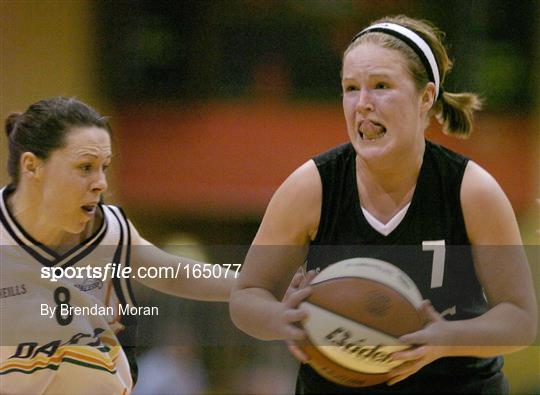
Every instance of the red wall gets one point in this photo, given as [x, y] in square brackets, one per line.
[226, 159]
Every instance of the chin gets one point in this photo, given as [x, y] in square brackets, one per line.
[372, 150]
[76, 231]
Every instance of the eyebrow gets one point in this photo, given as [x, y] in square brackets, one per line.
[375, 76]
[94, 156]
[381, 75]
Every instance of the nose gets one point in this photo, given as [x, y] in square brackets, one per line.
[365, 101]
[99, 184]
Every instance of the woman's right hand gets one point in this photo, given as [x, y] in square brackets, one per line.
[298, 291]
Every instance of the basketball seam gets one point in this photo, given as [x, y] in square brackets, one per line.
[369, 279]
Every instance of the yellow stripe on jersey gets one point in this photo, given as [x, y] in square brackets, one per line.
[79, 355]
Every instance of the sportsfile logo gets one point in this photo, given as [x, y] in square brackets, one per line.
[110, 270]
[119, 271]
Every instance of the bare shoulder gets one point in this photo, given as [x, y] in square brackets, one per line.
[479, 187]
[292, 216]
[489, 217]
[303, 184]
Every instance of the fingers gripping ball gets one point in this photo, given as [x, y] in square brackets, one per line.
[357, 309]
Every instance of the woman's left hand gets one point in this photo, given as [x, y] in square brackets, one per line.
[429, 343]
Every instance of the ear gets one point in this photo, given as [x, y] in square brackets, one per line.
[428, 97]
[30, 164]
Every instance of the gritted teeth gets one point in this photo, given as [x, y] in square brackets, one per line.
[370, 138]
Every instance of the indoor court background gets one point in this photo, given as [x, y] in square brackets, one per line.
[213, 104]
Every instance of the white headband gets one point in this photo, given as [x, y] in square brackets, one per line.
[413, 40]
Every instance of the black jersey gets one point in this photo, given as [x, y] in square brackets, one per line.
[430, 244]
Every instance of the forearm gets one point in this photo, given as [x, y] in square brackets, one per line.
[184, 277]
[254, 311]
[504, 329]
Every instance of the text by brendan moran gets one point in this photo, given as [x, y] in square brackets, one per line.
[64, 310]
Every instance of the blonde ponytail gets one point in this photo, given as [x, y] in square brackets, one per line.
[455, 112]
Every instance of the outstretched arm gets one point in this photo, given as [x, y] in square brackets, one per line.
[174, 279]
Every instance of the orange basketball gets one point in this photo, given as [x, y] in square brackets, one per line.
[357, 310]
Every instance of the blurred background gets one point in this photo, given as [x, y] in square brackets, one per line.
[214, 103]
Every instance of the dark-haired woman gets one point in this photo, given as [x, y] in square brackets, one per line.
[64, 312]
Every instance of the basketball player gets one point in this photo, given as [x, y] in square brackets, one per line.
[52, 216]
[391, 194]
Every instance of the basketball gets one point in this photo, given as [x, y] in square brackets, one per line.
[357, 310]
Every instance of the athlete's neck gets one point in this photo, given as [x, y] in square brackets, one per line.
[384, 190]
